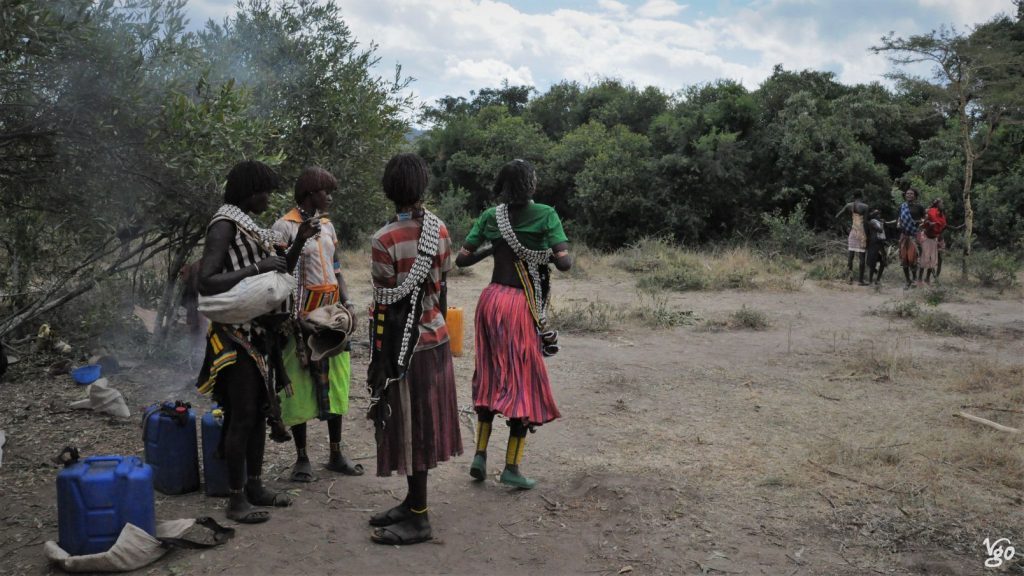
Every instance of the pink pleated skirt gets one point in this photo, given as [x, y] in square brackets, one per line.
[510, 376]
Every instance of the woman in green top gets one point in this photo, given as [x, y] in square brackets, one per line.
[510, 377]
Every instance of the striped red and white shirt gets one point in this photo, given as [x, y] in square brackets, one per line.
[394, 251]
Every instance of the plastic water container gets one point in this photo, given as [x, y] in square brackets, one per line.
[97, 496]
[171, 448]
[455, 329]
[215, 470]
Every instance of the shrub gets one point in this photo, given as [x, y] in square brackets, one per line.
[828, 268]
[581, 317]
[942, 322]
[451, 209]
[789, 234]
[678, 276]
[899, 309]
[750, 319]
[994, 268]
[653, 310]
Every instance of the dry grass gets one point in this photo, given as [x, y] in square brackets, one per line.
[987, 376]
[882, 361]
[944, 323]
[746, 318]
[653, 310]
[661, 265]
[582, 317]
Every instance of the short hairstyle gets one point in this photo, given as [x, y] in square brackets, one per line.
[914, 190]
[516, 183]
[247, 178]
[405, 179]
[313, 178]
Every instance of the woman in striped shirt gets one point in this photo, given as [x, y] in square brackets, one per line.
[420, 426]
[240, 365]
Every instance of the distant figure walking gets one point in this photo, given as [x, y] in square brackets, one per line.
[857, 241]
[876, 257]
[911, 214]
[934, 225]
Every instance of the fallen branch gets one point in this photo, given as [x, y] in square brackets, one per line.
[988, 423]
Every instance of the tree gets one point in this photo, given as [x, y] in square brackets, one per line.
[977, 81]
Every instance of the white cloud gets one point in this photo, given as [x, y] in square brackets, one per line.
[973, 11]
[487, 72]
[613, 6]
[454, 46]
[660, 9]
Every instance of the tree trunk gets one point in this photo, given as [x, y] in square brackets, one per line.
[168, 301]
[969, 158]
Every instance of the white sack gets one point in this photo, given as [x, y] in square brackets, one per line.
[251, 297]
[133, 549]
[103, 398]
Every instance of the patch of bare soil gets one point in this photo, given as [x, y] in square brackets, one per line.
[825, 443]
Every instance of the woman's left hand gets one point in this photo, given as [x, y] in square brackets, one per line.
[308, 229]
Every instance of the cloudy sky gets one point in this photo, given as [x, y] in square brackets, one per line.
[454, 46]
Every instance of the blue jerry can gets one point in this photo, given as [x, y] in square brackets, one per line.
[97, 496]
[215, 470]
[169, 434]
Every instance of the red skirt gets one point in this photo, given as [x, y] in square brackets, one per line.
[510, 378]
[424, 425]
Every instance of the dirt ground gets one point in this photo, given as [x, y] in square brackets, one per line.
[824, 444]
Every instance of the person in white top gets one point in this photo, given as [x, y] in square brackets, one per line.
[319, 388]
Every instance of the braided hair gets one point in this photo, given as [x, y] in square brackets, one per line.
[247, 178]
[313, 178]
[516, 183]
[405, 179]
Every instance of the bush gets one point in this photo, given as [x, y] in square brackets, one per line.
[451, 208]
[828, 268]
[994, 268]
[789, 234]
[653, 310]
[581, 317]
[750, 319]
[899, 309]
[678, 276]
[942, 322]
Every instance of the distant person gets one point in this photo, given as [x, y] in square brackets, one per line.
[510, 377]
[243, 360]
[931, 231]
[319, 388]
[876, 256]
[411, 378]
[910, 217]
[857, 241]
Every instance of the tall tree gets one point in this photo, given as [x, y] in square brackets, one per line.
[976, 80]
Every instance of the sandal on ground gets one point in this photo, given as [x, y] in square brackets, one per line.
[302, 472]
[478, 469]
[344, 466]
[399, 513]
[411, 531]
[248, 516]
[260, 496]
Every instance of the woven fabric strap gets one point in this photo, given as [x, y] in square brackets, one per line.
[534, 259]
[266, 238]
[426, 251]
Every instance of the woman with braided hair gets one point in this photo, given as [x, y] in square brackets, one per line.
[243, 364]
[413, 405]
[319, 388]
[510, 377]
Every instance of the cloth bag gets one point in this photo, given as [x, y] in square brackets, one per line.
[253, 296]
[329, 329]
[135, 548]
[103, 398]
